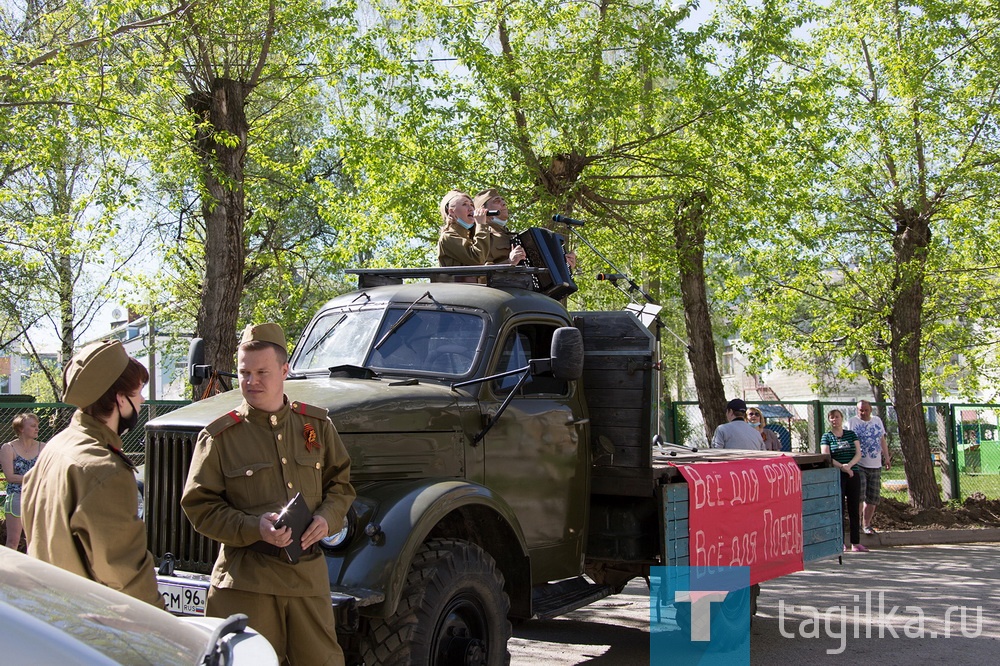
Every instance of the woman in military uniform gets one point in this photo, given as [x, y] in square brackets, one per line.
[81, 501]
[465, 235]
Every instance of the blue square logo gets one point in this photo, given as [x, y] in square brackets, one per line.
[699, 615]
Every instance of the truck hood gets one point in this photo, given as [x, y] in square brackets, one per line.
[355, 405]
[392, 428]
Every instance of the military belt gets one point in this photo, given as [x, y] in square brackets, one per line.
[267, 549]
[272, 550]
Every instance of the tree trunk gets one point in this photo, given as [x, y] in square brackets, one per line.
[910, 247]
[62, 209]
[876, 381]
[689, 239]
[220, 143]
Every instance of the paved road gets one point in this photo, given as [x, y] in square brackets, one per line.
[927, 579]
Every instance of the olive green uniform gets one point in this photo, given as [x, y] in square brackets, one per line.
[464, 247]
[248, 463]
[500, 244]
[81, 507]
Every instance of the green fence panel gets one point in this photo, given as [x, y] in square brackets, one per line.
[54, 417]
[964, 439]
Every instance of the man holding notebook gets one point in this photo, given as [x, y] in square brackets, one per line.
[248, 465]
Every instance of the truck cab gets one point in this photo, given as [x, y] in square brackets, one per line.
[454, 436]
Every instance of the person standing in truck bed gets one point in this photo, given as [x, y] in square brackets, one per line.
[246, 466]
[503, 250]
[465, 235]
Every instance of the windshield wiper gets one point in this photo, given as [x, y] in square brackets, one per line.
[407, 313]
[325, 335]
[353, 371]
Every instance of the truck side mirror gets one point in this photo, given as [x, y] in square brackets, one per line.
[197, 370]
[567, 353]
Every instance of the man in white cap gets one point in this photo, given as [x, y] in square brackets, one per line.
[246, 466]
[737, 434]
[81, 502]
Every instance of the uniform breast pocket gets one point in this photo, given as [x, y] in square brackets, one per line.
[309, 470]
[250, 486]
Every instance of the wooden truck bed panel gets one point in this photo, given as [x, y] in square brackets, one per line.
[822, 529]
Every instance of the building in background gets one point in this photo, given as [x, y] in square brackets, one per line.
[164, 355]
[17, 369]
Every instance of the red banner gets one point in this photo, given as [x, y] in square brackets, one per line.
[746, 513]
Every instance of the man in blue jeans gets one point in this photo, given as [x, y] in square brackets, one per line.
[874, 456]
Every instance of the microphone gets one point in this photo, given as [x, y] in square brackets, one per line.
[567, 220]
[493, 212]
[610, 276]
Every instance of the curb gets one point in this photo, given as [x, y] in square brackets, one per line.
[930, 537]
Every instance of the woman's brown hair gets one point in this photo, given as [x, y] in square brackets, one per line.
[134, 377]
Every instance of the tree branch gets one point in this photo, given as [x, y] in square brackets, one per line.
[152, 22]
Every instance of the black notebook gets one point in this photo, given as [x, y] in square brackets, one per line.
[297, 516]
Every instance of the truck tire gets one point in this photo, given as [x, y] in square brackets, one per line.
[452, 612]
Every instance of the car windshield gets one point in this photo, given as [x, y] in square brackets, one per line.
[425, 341]
[78, 613]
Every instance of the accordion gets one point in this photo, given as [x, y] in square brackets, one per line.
[544, 249]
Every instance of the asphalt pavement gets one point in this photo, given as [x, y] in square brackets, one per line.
[835, 612]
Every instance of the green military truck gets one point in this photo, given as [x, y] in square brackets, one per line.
[503, 454]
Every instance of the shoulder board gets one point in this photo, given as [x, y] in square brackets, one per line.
[121, 454]
[309, 410]
[223, 422]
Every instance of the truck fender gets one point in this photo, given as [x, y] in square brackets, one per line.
[406, 513]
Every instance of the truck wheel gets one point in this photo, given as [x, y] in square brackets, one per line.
[452, 612]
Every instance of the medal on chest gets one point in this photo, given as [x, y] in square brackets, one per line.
[312, 441]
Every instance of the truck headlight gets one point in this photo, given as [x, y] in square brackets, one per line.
[346, 533]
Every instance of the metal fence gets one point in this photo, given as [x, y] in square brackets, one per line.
[55, 416]
[963, 439]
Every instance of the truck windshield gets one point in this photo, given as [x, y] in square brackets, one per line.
[428, 341]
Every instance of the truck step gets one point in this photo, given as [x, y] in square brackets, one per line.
[554, 599]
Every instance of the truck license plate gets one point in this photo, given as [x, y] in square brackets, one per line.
[183, 599]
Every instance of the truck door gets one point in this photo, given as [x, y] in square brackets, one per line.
[536, 457]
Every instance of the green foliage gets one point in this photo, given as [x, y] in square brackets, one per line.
[37, 384]
[909, 97]
[808, 128]
[613, 112]
[67, 181]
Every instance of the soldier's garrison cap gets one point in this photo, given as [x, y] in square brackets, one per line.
[93, 370]
[485, 197]
[269, 332]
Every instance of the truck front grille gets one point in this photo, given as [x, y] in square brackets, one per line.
[168, 456]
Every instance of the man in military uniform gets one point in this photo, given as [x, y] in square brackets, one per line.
[246, 466]
[80, 501]
[502, 248]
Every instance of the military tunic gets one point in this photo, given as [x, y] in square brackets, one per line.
[500, 244]
[248, 463]
[81, 507]
[461, 247]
